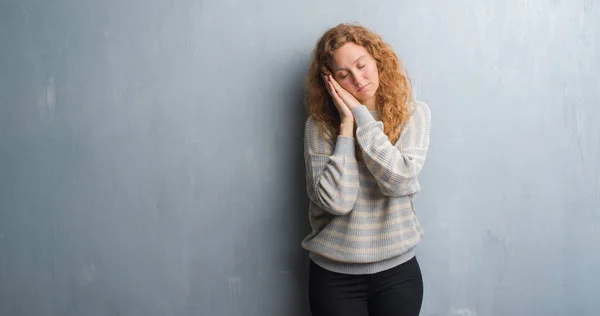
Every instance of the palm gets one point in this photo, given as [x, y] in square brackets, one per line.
[343, 100]
[344, 95]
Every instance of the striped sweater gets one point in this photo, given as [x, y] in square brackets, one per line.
[361, 212]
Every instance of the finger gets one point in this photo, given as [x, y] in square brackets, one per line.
[338, 88]
[334, 83]
[328, 85]
[334, 93]
[349, 100]
[336, 98]
[339, 103]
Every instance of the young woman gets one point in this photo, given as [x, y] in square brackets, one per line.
[365, 144]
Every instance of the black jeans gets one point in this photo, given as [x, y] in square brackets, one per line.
[394, 292]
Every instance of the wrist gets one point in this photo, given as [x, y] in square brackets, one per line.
[361, 115]
[347, 128]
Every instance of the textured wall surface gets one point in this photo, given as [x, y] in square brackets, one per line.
[151, 154]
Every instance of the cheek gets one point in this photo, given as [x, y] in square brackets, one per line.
[347, 84]
[373, 73]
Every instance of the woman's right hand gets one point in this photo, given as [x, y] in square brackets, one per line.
[346, 116]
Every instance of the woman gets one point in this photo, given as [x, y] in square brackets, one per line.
[365, 143]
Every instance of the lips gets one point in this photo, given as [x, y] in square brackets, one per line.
[363, 87]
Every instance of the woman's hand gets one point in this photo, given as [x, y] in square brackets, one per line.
[346, 116]
[343, 95]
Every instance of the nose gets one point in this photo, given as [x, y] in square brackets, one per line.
[357, 81]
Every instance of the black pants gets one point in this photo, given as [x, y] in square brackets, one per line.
[394, 292]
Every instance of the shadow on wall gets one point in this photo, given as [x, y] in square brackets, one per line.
[298, 258]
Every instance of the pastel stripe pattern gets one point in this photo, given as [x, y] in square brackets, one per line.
[362, 212]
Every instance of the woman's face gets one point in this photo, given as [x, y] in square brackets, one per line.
[356, 71]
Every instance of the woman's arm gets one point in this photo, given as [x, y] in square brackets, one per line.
[331, 170]
[395, 167]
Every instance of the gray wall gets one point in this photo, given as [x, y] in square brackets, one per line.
[151, 154]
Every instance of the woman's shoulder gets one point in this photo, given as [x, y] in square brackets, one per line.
[310, 124]
[316, 128]
[421, 108]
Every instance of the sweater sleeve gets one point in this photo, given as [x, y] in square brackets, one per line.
[395, 167]
[332, 179]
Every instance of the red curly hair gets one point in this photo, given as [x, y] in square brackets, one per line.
[394, 95]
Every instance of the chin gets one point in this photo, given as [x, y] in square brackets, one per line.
[363, 98]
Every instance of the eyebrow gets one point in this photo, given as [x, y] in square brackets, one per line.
[359, 58]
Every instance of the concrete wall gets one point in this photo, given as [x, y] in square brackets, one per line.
[151, 154]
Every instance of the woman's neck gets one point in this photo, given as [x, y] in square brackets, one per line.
[370, 104]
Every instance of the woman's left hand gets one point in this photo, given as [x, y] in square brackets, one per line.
[350, 101]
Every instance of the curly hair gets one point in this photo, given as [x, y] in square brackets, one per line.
[394, 95]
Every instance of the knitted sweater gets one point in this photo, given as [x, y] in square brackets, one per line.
[362, 213]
